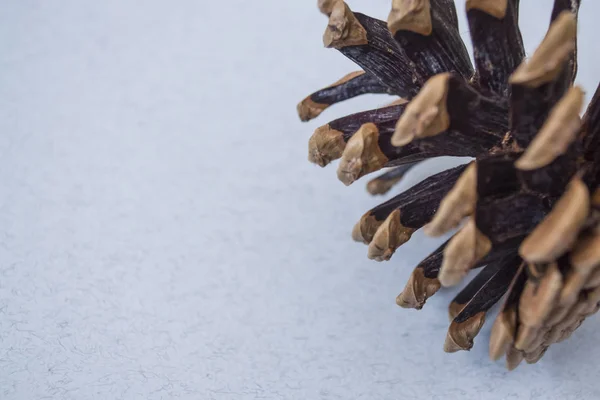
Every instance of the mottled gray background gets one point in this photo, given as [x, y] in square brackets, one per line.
[163, 236]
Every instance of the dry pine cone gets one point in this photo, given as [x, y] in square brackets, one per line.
[528, 205]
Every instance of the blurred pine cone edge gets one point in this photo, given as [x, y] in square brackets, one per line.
[528, 206]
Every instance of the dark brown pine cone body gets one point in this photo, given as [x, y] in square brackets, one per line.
[528, 206]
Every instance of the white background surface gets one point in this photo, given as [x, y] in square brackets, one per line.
[163, 236]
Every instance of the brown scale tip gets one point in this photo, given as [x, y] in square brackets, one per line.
[464, 250]
[418, 289]
[308, 109]
[549, 58]
[572, 320]
[557, 232]
[325, 145]
[459, 203]
[586, 254]
[357, 234]
[535, 355]
[593, 302]
[584, 258]
[567, 333]
[552, 336]
[362, 155]
[495, 8]
[514, 358]
[326, 6]
[381, 186]
[461, 334]
[560, 311]
[593, 280]
[343, 29]
[384, 182]
[526, 336]
[411, 15]
[539, 340]
[454, 309]
[503, 333]
[536, 271]
[390, 235]
[593, 310]
[427, 114]
[365, 229]
[538, 300]
[557, 133]
[398, 102]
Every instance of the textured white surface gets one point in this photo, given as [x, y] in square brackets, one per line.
[163, 236]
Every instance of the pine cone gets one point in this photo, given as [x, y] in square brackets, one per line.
[529, 203]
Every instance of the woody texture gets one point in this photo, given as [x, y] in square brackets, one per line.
[525, 212]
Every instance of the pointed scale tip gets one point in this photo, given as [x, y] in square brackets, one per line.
[343, 28]
[357, 234]
[495, 8]
[514, 358]
[390, 235]
[538, 341]
[461, 334]
[557, 133]
[326, 6]
[464, 250]
[586, 254]
[325, 145]
[536, 355]
[526, 336]
[459, 203]
[380, 187]
[538, 301]
[426, 115]
[557, 232]
[417, 290]
[593, 280]
[548, 60]
[585, 261]
[362, 155]
[366, 228]
[308, 109]
[411, 15]
[454, 309]
[503, 333]
[450, 345]
[571, 321]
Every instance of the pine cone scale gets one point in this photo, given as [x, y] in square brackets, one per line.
[529, 203]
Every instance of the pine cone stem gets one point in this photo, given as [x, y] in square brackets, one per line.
[429, 38]
[497, 42]
[350, 86]
[384, 182]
